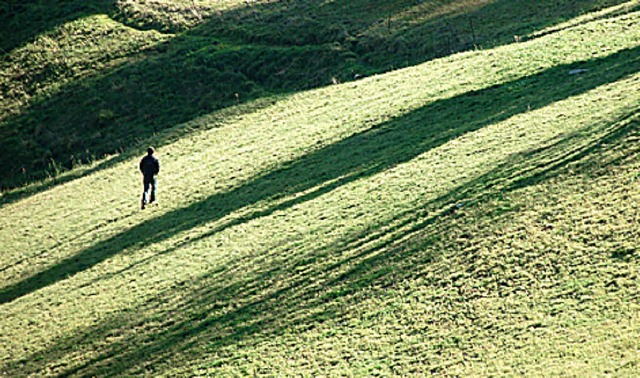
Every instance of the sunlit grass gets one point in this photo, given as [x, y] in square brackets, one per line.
[83, 80]
[474, 215]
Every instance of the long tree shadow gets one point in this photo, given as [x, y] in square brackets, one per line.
[394, 251]
[359, 156]
[236, 56]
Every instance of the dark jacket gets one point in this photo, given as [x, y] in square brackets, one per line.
[149, 166]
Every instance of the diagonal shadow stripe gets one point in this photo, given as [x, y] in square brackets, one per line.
[383, 256]
[359, 156]
[189, 76]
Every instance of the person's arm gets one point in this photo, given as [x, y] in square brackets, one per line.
[140, 166]
[157, 166]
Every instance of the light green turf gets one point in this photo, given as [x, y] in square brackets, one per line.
[475, 215]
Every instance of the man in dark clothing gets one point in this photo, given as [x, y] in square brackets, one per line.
[149, 166]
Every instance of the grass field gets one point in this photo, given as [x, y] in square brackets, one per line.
[82, 80]
[475, 214]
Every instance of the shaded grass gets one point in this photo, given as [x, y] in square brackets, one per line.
[25, 20]
[67, 105]
[386, 227]
[354, 158]
[397, 273]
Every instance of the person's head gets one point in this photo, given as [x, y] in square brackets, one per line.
[150, 151]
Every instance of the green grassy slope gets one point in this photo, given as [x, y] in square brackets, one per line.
[81, 80]
[473, 215]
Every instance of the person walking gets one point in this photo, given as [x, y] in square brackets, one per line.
[150, 167]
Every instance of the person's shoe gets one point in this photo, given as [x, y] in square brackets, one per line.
[143, 206]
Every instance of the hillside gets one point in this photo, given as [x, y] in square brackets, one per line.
[472, 213]
[82, 80]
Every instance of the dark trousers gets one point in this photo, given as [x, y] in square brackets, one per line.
[149, 183]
